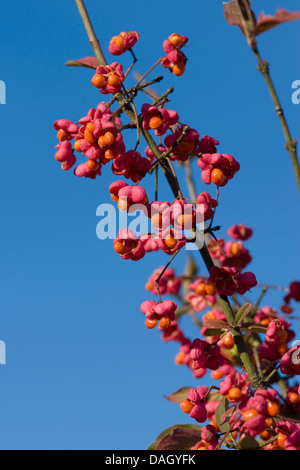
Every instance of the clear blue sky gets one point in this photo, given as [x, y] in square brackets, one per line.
[82, 370]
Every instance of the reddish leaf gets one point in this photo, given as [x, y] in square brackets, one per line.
[179, 395]
[180, 439]
[229, 414]
[170, 430]
[266, 22]
[90, 62]
[239, 13]
[216, 324]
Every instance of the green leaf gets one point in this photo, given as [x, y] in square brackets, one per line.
[182, 310]
[213, 332]
[191, 268]
[177, 437]
[247, 443]
[215, 396]
[232, 355]
[221, 409]
[179, 395]
[242, 313]
[255, 329]
[271, 431]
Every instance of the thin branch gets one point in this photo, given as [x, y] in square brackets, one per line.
[132, 65]
[257, 303]
[291, 144]
[163, 271]
[94, 42]
[148, 71]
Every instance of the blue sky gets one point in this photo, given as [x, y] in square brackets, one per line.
[82, 370]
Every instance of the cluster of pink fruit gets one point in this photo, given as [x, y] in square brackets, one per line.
[250, 412]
